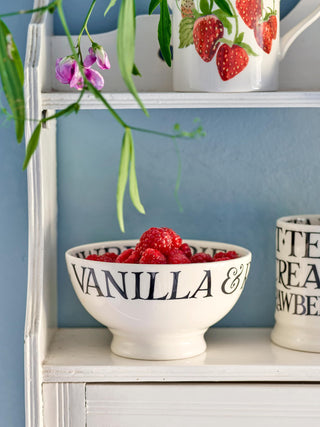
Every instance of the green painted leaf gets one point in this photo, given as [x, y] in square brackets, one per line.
[133, 183]
[164, 31]
[239, 38]
[223, 4]
[123, 174]
[226, 41]
[126, 46]
[11, 74]
[205, 7]
[186, 32]
[247, 48]
[153, 4]
[32, 145]
[110, 5]
[223, 17]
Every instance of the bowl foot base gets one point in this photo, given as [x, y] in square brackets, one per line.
[158, 346]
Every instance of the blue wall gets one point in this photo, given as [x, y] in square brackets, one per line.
[235, 183]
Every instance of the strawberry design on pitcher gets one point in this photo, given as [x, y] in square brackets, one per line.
[265, 27]
[212, 26]
[205, 27]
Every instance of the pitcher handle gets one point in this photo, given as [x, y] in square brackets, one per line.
[287, 40]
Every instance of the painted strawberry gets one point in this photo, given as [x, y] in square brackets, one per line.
[187, 7]
[206, 31]
[231, 61]
[273, 22]
[263, 35]
[250, 11]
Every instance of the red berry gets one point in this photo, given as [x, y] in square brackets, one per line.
[201, 257]
[92, 257]
[223, 256]
[250, 11]
[273, 23]
[185, 248]
[124, 255]
[176, 256]
[161, 239]
[207, 31]
[133, 258]
[263, 35]
[152, 256]
[108, 257]
[176, 239]
[231, 61]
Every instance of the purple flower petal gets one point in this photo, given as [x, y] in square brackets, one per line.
[77, 79]
[65, 68]
[89, 59]
[94, 77]
[102, 58]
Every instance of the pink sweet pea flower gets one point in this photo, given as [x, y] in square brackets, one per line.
[65, 68]
[94, 77]
[97, 53]
[77, 79]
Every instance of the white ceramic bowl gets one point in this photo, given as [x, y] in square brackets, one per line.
[157, 312]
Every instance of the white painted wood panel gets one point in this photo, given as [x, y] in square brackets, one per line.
[189, 405]
[233, 355]
[64, 405]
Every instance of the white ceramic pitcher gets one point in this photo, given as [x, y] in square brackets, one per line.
[229, 45]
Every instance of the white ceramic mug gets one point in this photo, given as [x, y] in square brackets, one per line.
[229, 45]
[297, 311]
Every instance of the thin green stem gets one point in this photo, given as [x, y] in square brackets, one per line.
[234, 13]
[23, 12]
[154, 132]
[84, 26]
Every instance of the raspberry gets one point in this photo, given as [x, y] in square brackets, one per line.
[176, 256]
[107, 257]
[133, 258]
[223, 256]
[92, 257]
[124, 255]
[163, 239]
[185, 248]
[201, 257]
[152, 256]
[176, 239]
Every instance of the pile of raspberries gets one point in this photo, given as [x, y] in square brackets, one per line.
[161, 246]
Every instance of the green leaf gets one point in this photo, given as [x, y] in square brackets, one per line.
[11, 73]
[247, 48]
[223, 17]
[223, 40]
[205, 7]
[186, 32]
[32, 145]
[126, 46]
[123, 174]
[110, 5]
[223, 4]
[133, 183]
[135, 71]
[239, 38]
[153, 4]
[164, 31]
[34, 140]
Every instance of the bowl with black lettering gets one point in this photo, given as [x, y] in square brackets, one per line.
[158, 311]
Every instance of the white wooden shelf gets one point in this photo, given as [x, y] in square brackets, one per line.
[283, 99]
[233, 355]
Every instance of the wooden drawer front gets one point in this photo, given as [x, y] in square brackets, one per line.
[194, 405]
